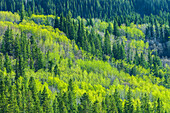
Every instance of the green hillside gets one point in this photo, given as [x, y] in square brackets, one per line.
[62, 64]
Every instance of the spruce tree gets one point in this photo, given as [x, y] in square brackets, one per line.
[55, 105]
[114, 50]
[22, 11]
[118, 101]
[116, 30]
[85, 104]
[17, 47]
[142, 60]
[72, 98]
[159, 106]
[107, 44]
[96, 107]
[57, 23]
[7, 63]
[30, 102]
[1, 61]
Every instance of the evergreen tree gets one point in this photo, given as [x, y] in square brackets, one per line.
[32, 88]
[110, 29]
[17, 47]
[7, 63]
[62, 22]
[22, 12]
[7, 42]
[116, 30]
[107, 45]
[72, 98]
[122, 51]
[1, 62]
[55, 105]
[85, 104]
[96, 107]
[129, 106]
[115, 51]
[136, 59]
[80, 32]
[118, 101]
[150, 60]
[30, 102]
[21, 67]
[44, 99]
[159, 106]
[57, 23]
[142, 60]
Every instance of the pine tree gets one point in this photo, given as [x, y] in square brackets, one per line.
[62, 106]
[72, 32]
[56, 70]
[167, 34]
[22, 12]
[57, 23]
[62, 22]
[55, 105]
[21, 67]
[98, 47]
[85, 104]
[11, 100]
[110, 29]
[114, 51]
[138, 108]
[116, 30]
[104, 107]
[136, 59]
[32, 88]
[72, 98]
[118, 101]
[17, 47]
[30, 102]
[44, 95]
[91, 22]
[142, 60]
[129, 105]
[145, 107]
[80, 33]
[122, 51]
[159, 106]
[107, 44]
[1, 62]
[7, 63]
[96, 107]
[150, 60]
[7, 42]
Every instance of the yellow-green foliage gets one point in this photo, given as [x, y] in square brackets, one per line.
[133, 31]
[9, 16]
[41, 19]
[96, 78]
[103, 25]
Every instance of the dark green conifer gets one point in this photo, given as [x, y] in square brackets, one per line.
[7, 63]
[107, 44]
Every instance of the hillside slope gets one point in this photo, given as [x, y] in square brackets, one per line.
[44, 71]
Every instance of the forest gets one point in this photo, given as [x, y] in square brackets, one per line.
[84, 56]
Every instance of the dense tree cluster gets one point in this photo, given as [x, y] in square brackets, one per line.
[22, 95]
[21, 53]
[88, 8]
[84, 56]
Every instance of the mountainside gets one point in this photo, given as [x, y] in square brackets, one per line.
[85, 56]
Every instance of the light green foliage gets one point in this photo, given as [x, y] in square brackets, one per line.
[41, 19]
[94, 77]
[102, 26]
[9, 16]
[133, 32]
